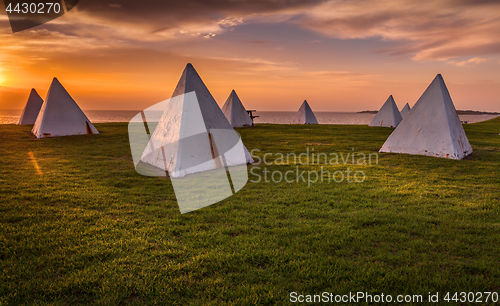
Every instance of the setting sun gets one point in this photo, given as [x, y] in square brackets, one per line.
[2, 77]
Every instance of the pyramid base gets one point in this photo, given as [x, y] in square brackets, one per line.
[427, 153]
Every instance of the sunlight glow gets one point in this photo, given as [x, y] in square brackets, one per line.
[35, 163]
[2, 77]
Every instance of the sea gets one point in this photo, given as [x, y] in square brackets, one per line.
[102, 116]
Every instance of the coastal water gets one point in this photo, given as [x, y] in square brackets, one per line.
[344, 117]
[100, 116]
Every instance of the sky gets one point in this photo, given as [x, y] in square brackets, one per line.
[340, 55]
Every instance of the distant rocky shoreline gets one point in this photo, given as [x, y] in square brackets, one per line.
[459, 112]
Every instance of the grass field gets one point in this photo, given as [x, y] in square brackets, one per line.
[85, 228]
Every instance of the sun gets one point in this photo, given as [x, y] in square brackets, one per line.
[2, 77]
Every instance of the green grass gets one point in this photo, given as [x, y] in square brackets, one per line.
[90, 230]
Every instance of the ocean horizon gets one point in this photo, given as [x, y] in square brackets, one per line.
[273, 117]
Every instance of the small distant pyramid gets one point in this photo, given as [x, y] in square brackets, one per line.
[235, 112]
[405, 110]
[61, 116]
[432, 127]
[187, 137]
[388, 115]
[305, 115]
[31, 109]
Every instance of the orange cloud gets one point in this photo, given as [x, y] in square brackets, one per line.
[469, 62]
[428, 30]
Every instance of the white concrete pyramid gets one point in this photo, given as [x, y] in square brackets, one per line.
[191, 130]
[235, 112]
[432, 127]
[405, 110]
[31, 109]
[388, 115]
[61, 116]
[305, 115]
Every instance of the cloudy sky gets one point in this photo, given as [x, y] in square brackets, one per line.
[340, 55]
